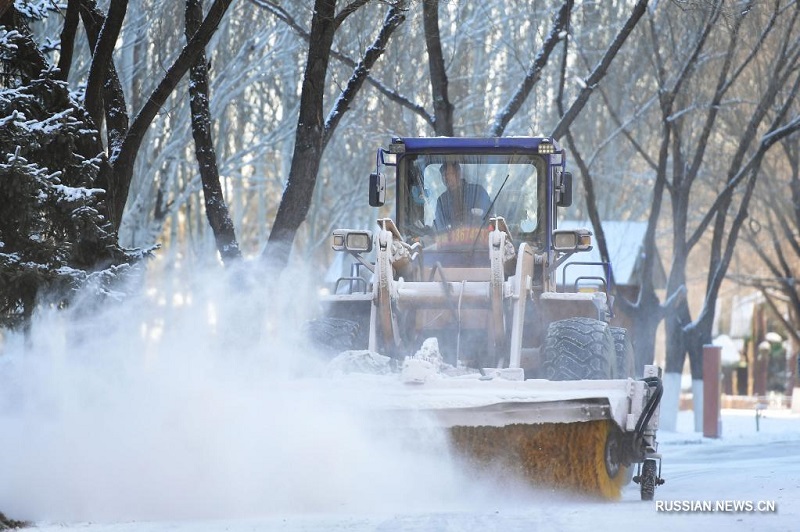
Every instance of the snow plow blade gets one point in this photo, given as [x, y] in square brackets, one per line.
[580, 436]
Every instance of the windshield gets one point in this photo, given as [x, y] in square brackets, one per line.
[441, 193]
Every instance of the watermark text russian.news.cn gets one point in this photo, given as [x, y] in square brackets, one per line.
[723, 506]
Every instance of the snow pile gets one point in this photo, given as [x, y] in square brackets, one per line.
[428, 364]
[425, 364]
[190, 405]
[369, 362]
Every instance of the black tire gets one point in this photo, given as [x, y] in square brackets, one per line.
[578, 349]
[625, 363]
[333, 335]
[647, 480]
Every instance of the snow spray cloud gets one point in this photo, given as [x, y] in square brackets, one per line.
[194, 403]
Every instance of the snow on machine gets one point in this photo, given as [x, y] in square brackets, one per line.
[522, 370]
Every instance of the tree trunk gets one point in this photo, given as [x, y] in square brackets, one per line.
[600, 70]
[442, 107]
[123, 159]
[313, 132]
[112, 95]
[309, 137]
[645, 316]
[71, 19]
[646, 313]
[101, 65]
[216, 209]
[4, 5]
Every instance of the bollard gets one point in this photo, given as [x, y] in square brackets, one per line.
[711, 390]
[759, 407]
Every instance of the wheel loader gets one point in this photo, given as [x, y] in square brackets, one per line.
[519, 367]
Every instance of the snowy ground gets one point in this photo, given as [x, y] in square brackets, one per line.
[744, 465]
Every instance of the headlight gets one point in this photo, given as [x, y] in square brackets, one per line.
[572, 240]
[564, 241]
[357, 241]
[546, 147]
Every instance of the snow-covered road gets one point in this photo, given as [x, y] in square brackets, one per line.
[745, 466]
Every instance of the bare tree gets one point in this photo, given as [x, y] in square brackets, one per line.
[757, 136]
[594, 78]
[773, 233]
[313, 133]
[216, 209]
[122, 160]
[252, 113]
[104, 99]
[534, 73]
[683, 162]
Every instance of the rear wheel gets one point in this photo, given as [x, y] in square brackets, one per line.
[333, 335]
[578, 349]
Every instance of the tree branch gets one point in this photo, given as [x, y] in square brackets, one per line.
[627, 134]
[101, 59]
[713, 108]
[392, 95]
[308, 145]
[394, 18]
[4, 5]
[348, 10]
[790, 328]
[788, 234]
[31, 61]
[758, 46]
[717, 275]
[586, 178]
[560, 25]
[600, 70]
[669, 95]
[773, 136]
[719, 272]
[68, 39]
[216, 209]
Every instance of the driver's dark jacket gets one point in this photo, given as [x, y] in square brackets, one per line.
[453, 210]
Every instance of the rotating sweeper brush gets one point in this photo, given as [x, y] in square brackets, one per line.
[579, 456]
[585, 436]
[540, 382]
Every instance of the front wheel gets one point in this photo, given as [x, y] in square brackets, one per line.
[648, 479]
[579, 349]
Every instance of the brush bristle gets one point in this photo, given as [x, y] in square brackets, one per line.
[563, 456]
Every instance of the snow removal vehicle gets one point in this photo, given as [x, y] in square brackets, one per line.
[523, 369]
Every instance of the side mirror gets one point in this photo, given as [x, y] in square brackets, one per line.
[377, 189]
[565, 190]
